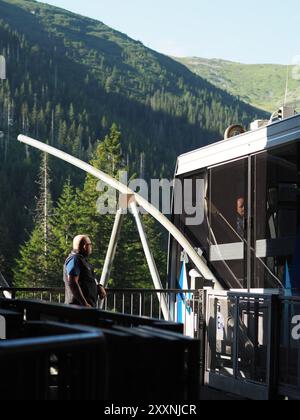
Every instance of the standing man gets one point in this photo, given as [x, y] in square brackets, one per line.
[81, 286]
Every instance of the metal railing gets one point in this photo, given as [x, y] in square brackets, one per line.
[51, 361]
[250, 343]
[240, 343]
[186, 306]
[141, 302]
[147, 303]
[253, 344]
[43, 360]
[289, 352]
[56, 295]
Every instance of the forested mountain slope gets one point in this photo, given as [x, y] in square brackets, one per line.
[68, 79]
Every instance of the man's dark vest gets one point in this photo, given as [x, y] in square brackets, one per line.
[87, 281]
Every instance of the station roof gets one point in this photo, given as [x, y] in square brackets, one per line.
[251, 142]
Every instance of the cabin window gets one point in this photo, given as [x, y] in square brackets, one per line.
[196, 233]
[228, 212]
[277, 218]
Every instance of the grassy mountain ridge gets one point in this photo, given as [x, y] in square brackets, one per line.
[68, 79]
[261, 85]
[119, 63]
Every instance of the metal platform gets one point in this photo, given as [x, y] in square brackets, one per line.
[248, 344]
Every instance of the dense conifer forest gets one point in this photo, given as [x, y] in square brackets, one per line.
[80, 86]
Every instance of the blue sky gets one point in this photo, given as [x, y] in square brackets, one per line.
[259, 31]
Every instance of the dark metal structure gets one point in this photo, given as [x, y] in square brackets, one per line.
[58, 352]
[247, 344]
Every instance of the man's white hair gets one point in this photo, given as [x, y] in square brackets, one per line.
[78, 240]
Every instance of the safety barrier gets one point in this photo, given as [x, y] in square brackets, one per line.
[185, 305]
[289, 353]
[137, 358]
[251, 347]
[53, 362]
[56, 295]
[10, 321]
[253, 344]
[38, 310]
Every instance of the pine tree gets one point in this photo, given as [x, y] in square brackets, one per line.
[158, 242]
[130, 267]
[106, 157]
[44, 203]
[64, 229]
[33, 267]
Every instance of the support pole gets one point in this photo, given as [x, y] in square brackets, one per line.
[150, 260]
[112, 248]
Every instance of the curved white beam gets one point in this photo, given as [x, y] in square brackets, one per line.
[123, 189]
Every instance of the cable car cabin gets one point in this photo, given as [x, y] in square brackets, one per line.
[250, 232]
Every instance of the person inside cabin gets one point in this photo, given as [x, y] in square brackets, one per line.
[81, 286]
[240, 217]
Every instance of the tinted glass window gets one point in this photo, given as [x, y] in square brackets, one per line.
[196, 233]
[276, 218]
[228, 221]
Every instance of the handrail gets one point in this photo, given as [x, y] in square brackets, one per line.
[114, 290]
[32, 289]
